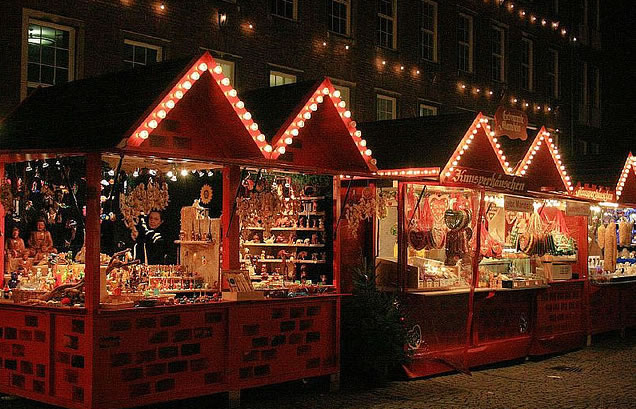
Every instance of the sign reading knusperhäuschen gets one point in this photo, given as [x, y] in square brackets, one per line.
[489, 180]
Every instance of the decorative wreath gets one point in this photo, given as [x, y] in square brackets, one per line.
[206, 194]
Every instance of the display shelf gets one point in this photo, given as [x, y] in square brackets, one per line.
[286, 228]
[282, 245]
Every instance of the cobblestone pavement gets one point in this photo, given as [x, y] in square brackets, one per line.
[600, 376]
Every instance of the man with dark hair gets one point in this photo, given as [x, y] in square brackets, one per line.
[153, 244]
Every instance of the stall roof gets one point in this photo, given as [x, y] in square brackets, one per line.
[544, 167]
[308, 124]
[626, 185]
[181, 108]
[435, 141]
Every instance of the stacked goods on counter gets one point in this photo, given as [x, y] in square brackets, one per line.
[610, 251]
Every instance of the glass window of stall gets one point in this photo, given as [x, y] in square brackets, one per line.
[612, 243]
[45, 212]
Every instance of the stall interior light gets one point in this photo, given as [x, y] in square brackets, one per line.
[608, 204]
[409, 172]
[540, 141]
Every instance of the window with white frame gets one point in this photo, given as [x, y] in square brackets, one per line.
[345, 94]
[387, 24]
[385, 107]
[227, 68]
[427, 110]
[553, 73]
[428, 30]
[497, 53]
[277, 78]
[51, 54]
[284, 8]
[338, 16]
[527, 63]
[137, 53]
[465, 43]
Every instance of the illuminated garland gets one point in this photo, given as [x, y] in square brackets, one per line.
[630, 163]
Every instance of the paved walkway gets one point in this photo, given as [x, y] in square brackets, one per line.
[601, 376]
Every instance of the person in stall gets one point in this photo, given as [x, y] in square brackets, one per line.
[41, 241]
[152, 241]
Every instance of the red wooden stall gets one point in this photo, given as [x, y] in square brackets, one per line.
[186, 114]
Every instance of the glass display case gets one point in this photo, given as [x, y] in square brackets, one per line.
[612, 244]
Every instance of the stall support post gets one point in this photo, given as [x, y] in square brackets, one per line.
[231, 181]
[92, 238]
[2, 230]
[402, 239]
[337, 203]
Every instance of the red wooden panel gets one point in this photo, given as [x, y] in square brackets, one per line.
[604, 308]
[628, 305]
[72, 358]
[506, 315]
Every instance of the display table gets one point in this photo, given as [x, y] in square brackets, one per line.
[143, 355]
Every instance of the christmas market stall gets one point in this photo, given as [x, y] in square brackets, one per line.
[612, 253]
[194, 255]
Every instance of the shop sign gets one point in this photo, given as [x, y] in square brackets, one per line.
[490, 180]
[511, 122]
[518, 204]
[577, 208]
[597, 194]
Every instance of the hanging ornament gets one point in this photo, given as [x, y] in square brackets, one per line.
[206, 194]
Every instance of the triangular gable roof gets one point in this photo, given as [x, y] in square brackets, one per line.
[478, 149]
[626, 186]
[543, 167]
[309, 126]
[201, 104]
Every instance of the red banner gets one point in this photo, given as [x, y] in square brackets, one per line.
[511, 122]
[596, 193]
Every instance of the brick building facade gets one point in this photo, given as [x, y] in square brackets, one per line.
[391, 58]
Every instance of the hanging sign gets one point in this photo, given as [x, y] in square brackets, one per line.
[511, 123]
[596, 193]
[518, 204]
[577, 208]
[490, 180]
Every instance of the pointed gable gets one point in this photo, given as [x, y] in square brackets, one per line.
[199, 115]
[310, 126]
[626, 186]
[478, 149]
[543, 167]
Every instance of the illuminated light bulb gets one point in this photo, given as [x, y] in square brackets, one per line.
[169, 104]
[455, 163]
[240, 105]
[336, 93]
[463, 86]
[347, 114]
[358, 133]
[325, 91]
[195, 76]
[571, 188]
[254, 126]
[526, 105]
[368, 152]
[342, 104]
[494, 140]
[401, 67]
[503, 157]
[533, 18]
[500, 151]
[523, 172]
[507, 165]
[232, 93]
[541, 137]
[451, 168]
[461, 152]
[514, 100]
[549, 109]
[169, 174]
[187, 85]
[281, 150]
[447, 174]
[353, 124]
[300, 124]
[152, 124]
[261, 138]
[218, 69]
[492, 133]
[458, 157]
[225, 81]
[162, 6]
[471, 137]
[383, 62]
[543, 22]
[478, 126]
[417, 72]
[247, 116]
[319, 99]
[497, 146]
[363, 142]
[468, 142]
[143, 134]
[548, 134]
[313, 107]
[474, 132]
[161, 113]
[538, 142]
[324, 43]
[489, 92]
[478, 90]
[558, 156]
[346, 47]
[307, 115]
[488, 127]
[184, 172]
[203, 66]
[562, 167]
[136, 173]
[268, 148]
[294, 132]
[178, 94]
[465, 147]
[289, 140]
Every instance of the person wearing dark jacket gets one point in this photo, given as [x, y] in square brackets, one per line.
[152, 242]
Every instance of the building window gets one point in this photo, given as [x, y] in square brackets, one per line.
[285, 8]
[139, 54]
[527, 63]
[227, 67]
[427, 110]
[595, 79]
[387, 26]
[385, 107]
[277, 78]
[51, 54]
[429, 30]
[553, 73]
[465, 43]
[345, 94]
[497, 52]
[338, 16]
